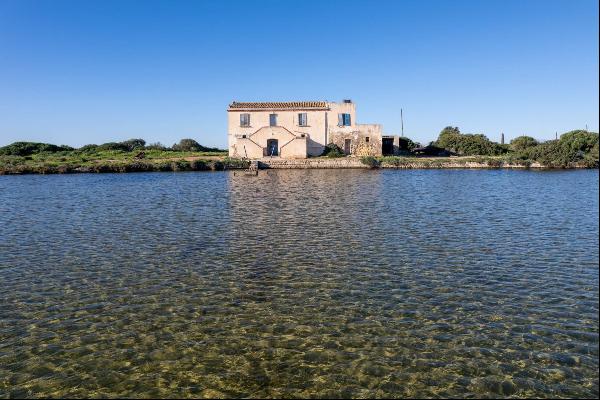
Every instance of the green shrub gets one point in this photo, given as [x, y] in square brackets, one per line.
[88, 148]
[192, 145]
[235, 163]
[157, 146]
[370, 161]
[112, 146]
[574, 147]
[522, 142]
[134, 144]
[394, 161]
[332, 150]
[28, 148]
[406, 144]
[452, 140]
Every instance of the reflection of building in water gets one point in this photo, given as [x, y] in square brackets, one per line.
[287, 212]
[301, 129]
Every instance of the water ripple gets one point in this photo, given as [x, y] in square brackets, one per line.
[299, 283]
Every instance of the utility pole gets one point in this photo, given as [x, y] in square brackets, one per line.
[402, 121]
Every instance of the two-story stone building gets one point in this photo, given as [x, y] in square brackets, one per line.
[298, 129]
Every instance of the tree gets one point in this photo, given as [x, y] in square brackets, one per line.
[134, 144]
[450, 130]
[406, 144]
[187, 145]
[577, 146]
[522, 142]
[455, 142]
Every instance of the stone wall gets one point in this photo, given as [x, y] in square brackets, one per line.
[317, 163]
[354, 162]
[365, 140]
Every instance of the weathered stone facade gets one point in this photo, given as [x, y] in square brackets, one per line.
[364, 141]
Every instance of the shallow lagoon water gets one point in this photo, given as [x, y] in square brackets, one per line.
[300, 283]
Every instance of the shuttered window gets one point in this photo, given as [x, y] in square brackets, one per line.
[344, 120]
[302, 119]
[244, 119]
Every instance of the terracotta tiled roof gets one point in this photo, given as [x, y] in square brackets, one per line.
[279, 105]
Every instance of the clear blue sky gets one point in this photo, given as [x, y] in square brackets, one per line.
[78, 72]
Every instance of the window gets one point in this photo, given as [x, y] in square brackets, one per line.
[344, 120]
[272, 119]
[302, 119]
[367, 139]
[244, 119]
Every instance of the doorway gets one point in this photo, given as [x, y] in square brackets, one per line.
[387, 148]
[272, 147]
[347, 146]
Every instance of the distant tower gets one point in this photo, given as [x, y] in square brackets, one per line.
[556, 135]
[502, 138]
[402, 122]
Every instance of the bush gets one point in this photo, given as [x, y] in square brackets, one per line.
[332, 150]
[157, 146]
[370, 161]
[406, 144]
[522, 142]
[88, 148]
[134, 144]
[573, 147]
[235, 163]
[192, 145]
[393, 161]
[112, 146]
[452, 140]
[28, 148]
[434, 151]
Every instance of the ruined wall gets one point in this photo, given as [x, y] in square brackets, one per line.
[360, 145]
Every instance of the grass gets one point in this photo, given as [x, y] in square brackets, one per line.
[117, 161]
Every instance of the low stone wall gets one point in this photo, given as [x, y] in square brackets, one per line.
[454, 165]
[354, 162]
[310, 163]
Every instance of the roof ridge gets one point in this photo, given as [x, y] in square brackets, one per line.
[279, 104]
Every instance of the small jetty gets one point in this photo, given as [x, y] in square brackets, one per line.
[252, 169]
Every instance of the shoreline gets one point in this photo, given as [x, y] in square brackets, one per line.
[400, 163]
[224, 163]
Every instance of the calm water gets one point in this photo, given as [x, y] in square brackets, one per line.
[300, 284]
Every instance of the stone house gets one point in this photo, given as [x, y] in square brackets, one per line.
[298, 129]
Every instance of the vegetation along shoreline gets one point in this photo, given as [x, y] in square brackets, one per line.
[452, 149]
